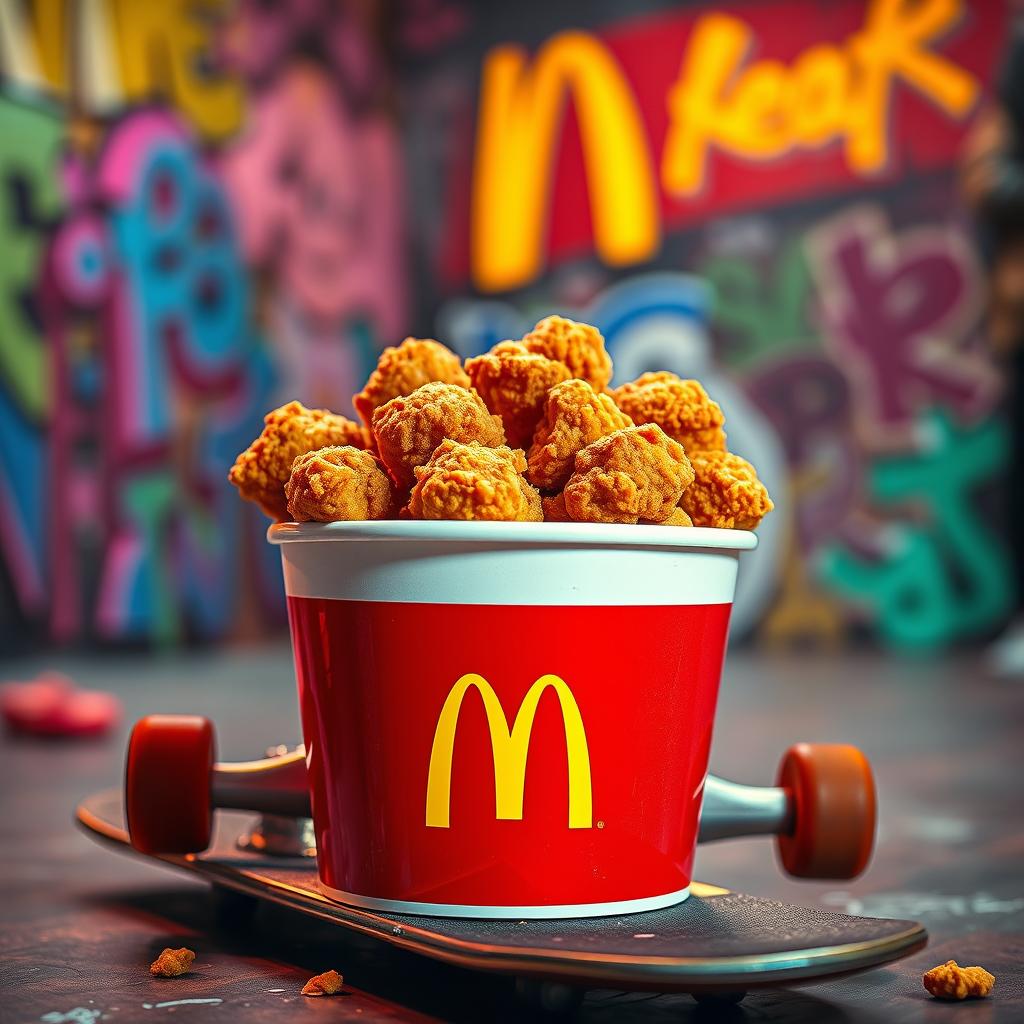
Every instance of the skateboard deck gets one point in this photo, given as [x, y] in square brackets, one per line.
[715, 941]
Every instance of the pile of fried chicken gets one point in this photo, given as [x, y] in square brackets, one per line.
[528, 431]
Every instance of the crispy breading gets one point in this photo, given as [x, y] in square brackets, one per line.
[575, 415]
[261, 471]
[578, 346]
[338, 483]
[677, 518]
[408, 428]
[725, 493]
[471, 481]
[556, 512]
[634, 473]
[327, 984]
[514, 383]
[682, 408]
[403, 368]
[554, 509]
[951, 981]
[172, 963]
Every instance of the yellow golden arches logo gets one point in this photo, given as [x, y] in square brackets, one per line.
[509, 749]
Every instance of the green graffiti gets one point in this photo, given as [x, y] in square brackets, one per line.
[149, 502]
[363, 338]
[945, 579]
[29, 201]
[760, 311]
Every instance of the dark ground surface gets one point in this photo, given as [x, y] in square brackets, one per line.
[79, 924]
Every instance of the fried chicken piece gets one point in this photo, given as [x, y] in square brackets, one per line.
[556, 512]
[262, 470]
[402, 369]
[951, 981]
[578, 346]
[635, 473]
[554, 509]
[575, 415]
[726, 492]
[172, 963]
[678, 518]
[514, 383]
[327, 984]
[471, 481]
[336, 484]
[682, 408]
[408, 428]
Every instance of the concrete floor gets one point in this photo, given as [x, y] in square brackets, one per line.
[947, 746]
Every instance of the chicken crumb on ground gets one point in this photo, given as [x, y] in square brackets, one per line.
[327, 984]
[951, 981]
[172, 963]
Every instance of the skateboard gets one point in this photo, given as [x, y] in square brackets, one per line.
[716, 944]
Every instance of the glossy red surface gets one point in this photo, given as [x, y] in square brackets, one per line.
[167, 784]
[373, 679]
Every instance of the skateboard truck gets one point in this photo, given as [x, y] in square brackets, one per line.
[821, 809]
[280, 835]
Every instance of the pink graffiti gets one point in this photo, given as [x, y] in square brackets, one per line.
[317, 196]
[317, 362]
[70, 424]
[900, 310]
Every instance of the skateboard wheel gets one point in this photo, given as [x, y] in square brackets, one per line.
[167, 784]
[833, 800]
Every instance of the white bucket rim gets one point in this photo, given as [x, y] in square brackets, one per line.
[516, 534]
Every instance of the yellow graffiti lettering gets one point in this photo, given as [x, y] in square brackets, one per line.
[519, 126]
[816, 94]
[767, 109]
[894, 43]
[509, 749]
[160, 48]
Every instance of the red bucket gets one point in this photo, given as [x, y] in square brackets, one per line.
[507, 719]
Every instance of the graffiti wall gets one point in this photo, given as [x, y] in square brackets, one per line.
[762, 195]
[208, 207]
[200, 216]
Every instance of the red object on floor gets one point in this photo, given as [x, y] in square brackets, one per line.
[51, 705]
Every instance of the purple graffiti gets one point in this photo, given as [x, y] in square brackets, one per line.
[899, 309]
[808, 401]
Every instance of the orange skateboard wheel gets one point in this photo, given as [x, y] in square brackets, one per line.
[834, 811]
[167, 784]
